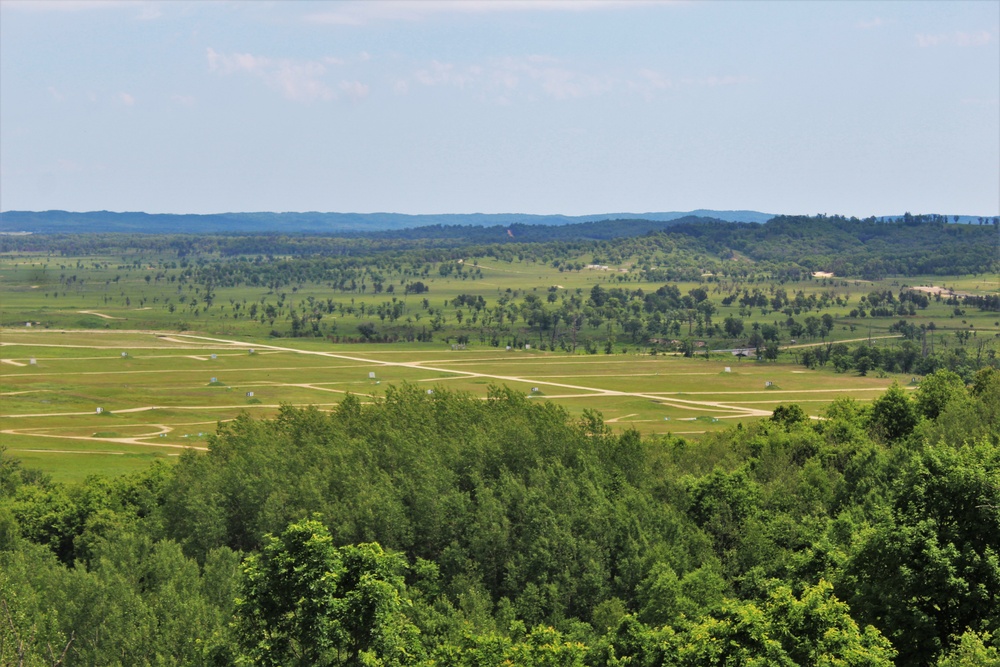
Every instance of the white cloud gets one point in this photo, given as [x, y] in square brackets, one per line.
[363, 12]
[958, 38]
[126, 99]
[871, 24]
[438, 73]
[923, 41]
[649, 83]
[299, 80]
[149, 12]
[183, 100]
[56, 94]
[981, 38]
[562, 83]
[66, 5]
[537, 75]
[728, 80]
[501, 76]
[354, 89]
[146, 10]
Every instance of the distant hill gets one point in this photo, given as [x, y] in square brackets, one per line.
[536, 233]
[67, 222]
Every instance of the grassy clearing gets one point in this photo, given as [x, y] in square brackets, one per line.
[158, 400]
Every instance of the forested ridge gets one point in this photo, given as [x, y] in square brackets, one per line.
[868, 248]
[440, 529]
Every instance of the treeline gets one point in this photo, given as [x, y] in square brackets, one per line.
[440, 529]
[869, 249]
[785, 247]
[921, 352]
[313, 222]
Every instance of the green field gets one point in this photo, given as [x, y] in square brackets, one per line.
[160, 398]
[75, 318]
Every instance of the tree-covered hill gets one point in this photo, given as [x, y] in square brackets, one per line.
[439, 529]
[867, 249]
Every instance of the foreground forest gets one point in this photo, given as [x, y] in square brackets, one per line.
[440, 529]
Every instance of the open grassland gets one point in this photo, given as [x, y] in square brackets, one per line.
[161, 397]
[167, 355]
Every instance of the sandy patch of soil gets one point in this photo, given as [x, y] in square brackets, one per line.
[101, 315]
[944, 291]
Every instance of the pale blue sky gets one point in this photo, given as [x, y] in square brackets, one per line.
[856, 108]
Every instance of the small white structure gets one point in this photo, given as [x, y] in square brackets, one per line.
[250, 351]
[214, 380]
[99, 410]
[508, 348]
[430, 391]
[768, 383]
[215, 356]
[32, 361]
[534, 389]
[527, 346]
[124, 354]
[249, 394]
[371, 375]
[27, 324]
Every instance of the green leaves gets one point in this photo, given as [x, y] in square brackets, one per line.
[535, 540]
[305, 602]
[893, 415]
[782, 629]
[930, 568]
[937, 390]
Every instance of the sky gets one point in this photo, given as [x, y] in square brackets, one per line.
[504, 106]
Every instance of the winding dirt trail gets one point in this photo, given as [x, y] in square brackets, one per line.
[101, 315]
[596, 391]
[720, 409]
[134, 440]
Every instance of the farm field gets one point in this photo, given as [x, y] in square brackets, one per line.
[170, 390]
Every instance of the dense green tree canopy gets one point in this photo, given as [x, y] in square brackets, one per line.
[442, 529]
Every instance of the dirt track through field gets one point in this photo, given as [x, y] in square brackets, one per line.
[135, 440]
[720, 409]
[597, 391]
[101, 315]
